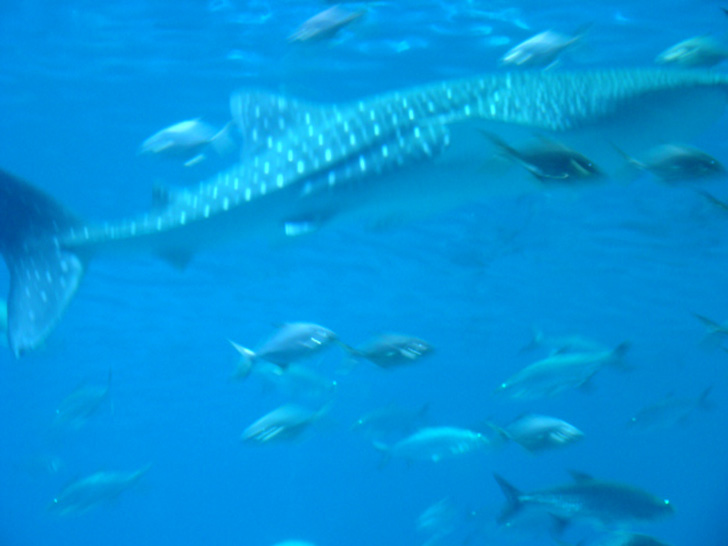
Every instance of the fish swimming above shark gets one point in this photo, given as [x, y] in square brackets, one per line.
[306, 165]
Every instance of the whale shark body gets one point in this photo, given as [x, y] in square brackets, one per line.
[305, 165]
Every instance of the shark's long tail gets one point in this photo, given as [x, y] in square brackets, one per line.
[43, 275]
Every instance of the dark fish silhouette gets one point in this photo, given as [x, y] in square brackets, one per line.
[676, 162]
[550, 161]
[391, 350]
[586, 499]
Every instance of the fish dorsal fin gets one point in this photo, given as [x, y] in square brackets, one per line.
[262, 117]
[581, 477]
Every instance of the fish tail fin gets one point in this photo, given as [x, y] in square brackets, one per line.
[44, 276]
[223, 142]
[386, 452]
[714, 331]
[245, 363]
[582, 30]
[513, 499]
[537, 336]
[501, 144]
[632, 168]
[617, 357]
[351, 360]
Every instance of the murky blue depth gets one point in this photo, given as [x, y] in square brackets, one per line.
[82, 84]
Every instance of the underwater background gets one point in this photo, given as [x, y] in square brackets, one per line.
[82, 84]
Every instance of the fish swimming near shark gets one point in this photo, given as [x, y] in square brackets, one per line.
[305, 165]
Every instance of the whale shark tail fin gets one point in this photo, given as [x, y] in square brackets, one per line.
[43, 275]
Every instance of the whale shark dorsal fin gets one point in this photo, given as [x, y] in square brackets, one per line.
[262, 117]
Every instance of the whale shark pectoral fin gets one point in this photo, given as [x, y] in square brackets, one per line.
[42, 285]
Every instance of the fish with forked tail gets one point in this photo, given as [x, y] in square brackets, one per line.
[560, 372]
[588, 499]
[391, 350]
[292, 342]
[550, 161]
[307, 165]
[89, 492]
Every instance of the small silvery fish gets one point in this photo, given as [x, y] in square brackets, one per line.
[560, 372]
[436, 443]
[325, 24]
[549, 161]
[541, 432]
[676, 163]
[699, 51]
[390, 422]
[541, 50]
[586, 499]
[292, 342]
[282, 424]
[89, 492]
[188, 141]
[78, 407]
[296, 382]
[390, 350]
[669, 411]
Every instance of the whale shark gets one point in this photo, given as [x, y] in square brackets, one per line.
[305, 165]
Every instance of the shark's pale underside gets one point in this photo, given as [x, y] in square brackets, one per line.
[306, 165]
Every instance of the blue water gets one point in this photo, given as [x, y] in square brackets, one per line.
[83, 83]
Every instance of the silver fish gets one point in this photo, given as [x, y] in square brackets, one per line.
[550, 161]
[699, 51]
[436, 443]
[541, 50]
[325, 24]
[89, 492]
[306, 165]
[715, 330]
[292, 342]
[296, 382]
[188, 140]
[669, 411]
[391, 350]
[284, 423]
[677, 162]
[558, 373]
[390, 422]
[541, 432]
[587, 499]
[78, 407]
